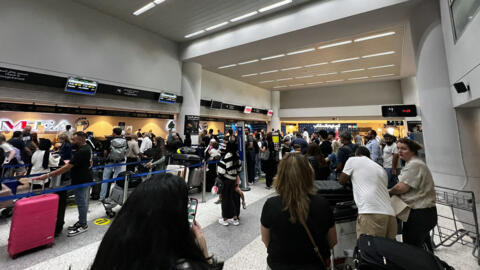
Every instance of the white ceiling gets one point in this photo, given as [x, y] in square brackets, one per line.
[294, 71]
[174, 19]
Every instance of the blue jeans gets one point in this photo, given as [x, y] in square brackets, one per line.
[82, 204]
[392, 179]
[107, 173]
[258, 164]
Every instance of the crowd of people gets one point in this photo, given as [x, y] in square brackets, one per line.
[297, 225]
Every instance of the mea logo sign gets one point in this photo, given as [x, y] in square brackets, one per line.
[48, 125]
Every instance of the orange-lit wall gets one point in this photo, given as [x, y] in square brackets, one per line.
[101, 126]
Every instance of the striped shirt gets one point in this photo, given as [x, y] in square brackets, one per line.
[228, 168]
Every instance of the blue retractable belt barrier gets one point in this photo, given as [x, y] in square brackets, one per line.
[53, 190]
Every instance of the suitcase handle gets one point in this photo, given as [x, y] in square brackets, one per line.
[43, 184]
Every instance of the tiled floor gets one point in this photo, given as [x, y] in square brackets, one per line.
[240, 247]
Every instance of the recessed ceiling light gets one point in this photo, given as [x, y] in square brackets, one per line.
[326, 74]
[304, 77]
[317, 64]
[290, 68]
[284, 79]
[383, 75]
[301, 51]
[248, 62]
[228, 66]
[358, 78]
[244, 16]
[353, 70]
[378, 54]
[273, 57]
[250, 75]
[345, 60]
[269, 81]
[335, 44]
[279, 4]
[144, 9]
[314, 83]
[216, 26]
[334, 81]
[377, 67]
[298, 84]
[270, 71]
[375, 36]
[280, 86]
[158, 2]
[194, 34]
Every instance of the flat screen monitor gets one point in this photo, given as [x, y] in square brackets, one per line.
[215, 104]
[247, 109]
[167, 98]
[399, 111]
[81, 86]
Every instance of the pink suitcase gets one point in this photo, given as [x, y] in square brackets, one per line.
[33, 223]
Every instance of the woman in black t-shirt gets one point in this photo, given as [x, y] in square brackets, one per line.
[283, 216]
[320, 167]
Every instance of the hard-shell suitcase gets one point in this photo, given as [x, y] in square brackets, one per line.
[196, 177]
[186, 159]
[334, 192]
[374, 253]
[33, 223]
[345, 215]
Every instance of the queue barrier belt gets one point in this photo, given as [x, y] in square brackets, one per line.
[59, 189]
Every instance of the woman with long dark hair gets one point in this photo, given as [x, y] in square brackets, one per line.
[317, 160]
[288, 219]
[269, 166]
[228, 170]
[152, 231]
[43, 159]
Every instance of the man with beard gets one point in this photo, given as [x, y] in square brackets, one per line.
[390, 159]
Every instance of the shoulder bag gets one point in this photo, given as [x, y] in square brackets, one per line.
[315, 247]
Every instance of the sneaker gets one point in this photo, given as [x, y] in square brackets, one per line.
[78, 231]
[223, 222]
[234, 222]
[219, 201]
[74, 226]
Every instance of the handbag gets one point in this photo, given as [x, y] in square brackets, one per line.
[315, 247]
[265, 155]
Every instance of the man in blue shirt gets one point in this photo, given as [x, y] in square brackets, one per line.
[374, 147]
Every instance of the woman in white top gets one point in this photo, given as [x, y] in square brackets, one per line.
[43, 159]
[417, 189]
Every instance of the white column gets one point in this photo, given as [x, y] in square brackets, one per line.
[440, 129]
[191, 92]
[275, 121]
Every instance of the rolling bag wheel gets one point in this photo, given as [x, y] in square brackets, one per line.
[110, 213]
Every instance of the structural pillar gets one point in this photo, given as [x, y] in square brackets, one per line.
[191, 92]
[275, 121]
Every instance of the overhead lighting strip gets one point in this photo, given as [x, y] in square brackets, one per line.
[377, 67]
[353, 70]
[358, 78]
[228, 66]
[335, 44]
[301, 51]
[269, 81]
[248, 62]
[298, 84]
[378, 54]
[290, 68]
[375, 36]
[239, 18]
[273, 57]
[383, 75]
[345, 60]
[284, 79]
[280, 86]
[147, 7]
[311, 83]
[327, 74]
[278, 4]
[195, 34]
[250, 75]
[332, 81]
[216, 26]
[268, 72]
[304, 77]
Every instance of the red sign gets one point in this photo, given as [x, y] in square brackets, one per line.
[247, 109]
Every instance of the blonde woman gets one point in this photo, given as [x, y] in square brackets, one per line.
[298, 211]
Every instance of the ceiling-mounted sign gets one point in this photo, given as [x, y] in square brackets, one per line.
[81, 86]
[399, 111]
[167, 98]
[128, 92]
[247, 109]
[270, 113]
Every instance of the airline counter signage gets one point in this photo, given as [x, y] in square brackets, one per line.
[7, 125]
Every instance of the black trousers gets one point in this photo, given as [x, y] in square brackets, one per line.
[62, 205]
[416, 231]
[131, 168]
[270, 169]
[250, 165]
[230, 200]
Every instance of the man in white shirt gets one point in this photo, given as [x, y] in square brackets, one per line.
[375, 213]
[391, 160]
[146, 142]
[305, 135]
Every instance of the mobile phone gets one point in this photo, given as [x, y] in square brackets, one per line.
[192, 210]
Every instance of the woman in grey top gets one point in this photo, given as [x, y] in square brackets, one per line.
[416, 188]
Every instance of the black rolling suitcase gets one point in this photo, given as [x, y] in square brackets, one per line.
[334, 192]
[376, 253]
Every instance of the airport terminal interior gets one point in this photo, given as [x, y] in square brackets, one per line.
[240, 134]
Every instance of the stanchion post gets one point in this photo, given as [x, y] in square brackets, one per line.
[204, 185]
[125, 187]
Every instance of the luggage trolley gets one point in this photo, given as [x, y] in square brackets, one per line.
[193, 176]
